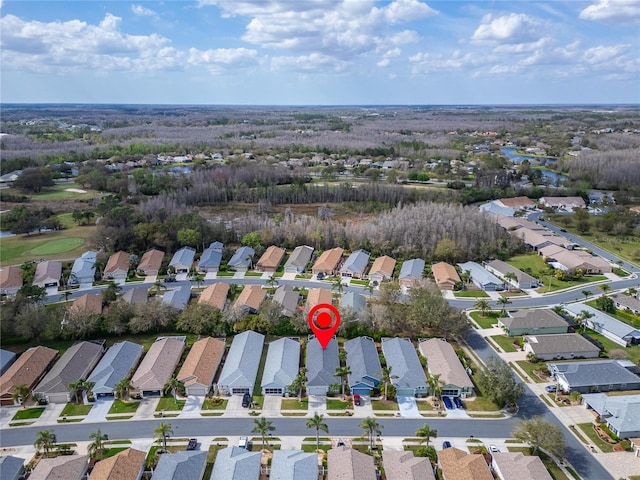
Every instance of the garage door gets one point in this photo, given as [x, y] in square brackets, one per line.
[197, 390]
[273, 391]
[58, 398]
[239, 391]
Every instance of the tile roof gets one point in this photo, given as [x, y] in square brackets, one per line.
[215, 295]
[516, 466]
[403, 465]
[243, 359]
[117, 261]
[88, 304]
[329, 260]
[563, 201]
[64, 467]
[27, 369]
[202, 362]
[363, 360]
[11, 277]
[294, 465]
[317, 296]
[401, 356]
[158, 364]
[442, 360]
[235, 463]
[444, 273]
[300, 257]
[321, 363]
[151, 260]
[348, 464]
[459, 465]
[251, 297]
[383, 265]
[183, 465]
[47, 271]
[517, 202]
[513, 223]
[116, 364]
[125, 465]
[282, 363]
[560, 343]
[271, 258]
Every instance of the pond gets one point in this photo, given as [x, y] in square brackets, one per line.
[553, 177]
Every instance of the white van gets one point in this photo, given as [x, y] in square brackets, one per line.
[244, 443]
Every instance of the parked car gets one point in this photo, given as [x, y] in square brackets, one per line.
[357, 399]
[320, 276]
[447, 403]
[170, 280]
[493, 449]
[446, 444]
[340, 443]
[246, 400]
[244, 443]
[458, 402]
[193, 443]
[551, 388]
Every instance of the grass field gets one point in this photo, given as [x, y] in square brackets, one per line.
[633, 352]
[294, 404]
[215, 404]
[589, 431]
[336, 404]
[382, 405]
[530, 367]
[58, 246]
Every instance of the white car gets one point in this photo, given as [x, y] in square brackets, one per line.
[493, 449]
[244, 443]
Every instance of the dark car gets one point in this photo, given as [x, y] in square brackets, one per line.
[458, 402]
[357, 399]
[551, 388]
[193, 443]
[446, 444]
[246, 400]
[320, 276]
[447, 403]
[169, 279]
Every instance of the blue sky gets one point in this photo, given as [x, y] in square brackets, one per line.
[320, 52]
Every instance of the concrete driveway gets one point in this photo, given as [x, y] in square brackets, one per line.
[192, 407]
[408, 407]
[98, 412]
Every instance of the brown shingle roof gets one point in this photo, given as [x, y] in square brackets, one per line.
[47, 271]
[64, 467]
[442, 360]
[444, 274]
[151, 260]
[383, 265]
[215, 295]
[328, 261]
[117, 261]
[202, 362]
[317, 296]
[348, 464]
[271, 258]
[125, 465]
[158, 364]
[10, 277]
[27, 369]
[516, 466]
[517, 202]
[88, 303]
[459, 465]
[403, 465]
[251, 296]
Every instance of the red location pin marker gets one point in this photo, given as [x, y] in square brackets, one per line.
[324, 320]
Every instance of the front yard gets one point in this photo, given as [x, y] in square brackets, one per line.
[73, 410]
[28, 413]
[487, 320]
[170, 404]
[215, 403]
[123, 407]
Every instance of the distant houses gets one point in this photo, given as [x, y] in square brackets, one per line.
[10, 280]
[177, 298]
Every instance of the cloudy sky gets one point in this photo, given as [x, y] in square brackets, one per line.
[320, 52]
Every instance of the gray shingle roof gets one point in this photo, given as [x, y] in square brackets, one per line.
[242, 257]
[294, 465]
[505, 268]
[84, 267]
[11, 467]
[136, 296]
[185, 465]
[602, 321]
[50, 270]
[235, 463]
[363, 360]
[282, 363]
[479, 274]
[178, 297]
[183, 257]
[537, 318]
[211, 257]
[241, 366]
[357, 262]
[401, 356]
[288, 298]
[115, 365]
[597, 372]
[411, 268]
[353, 300]
[560, 343]
[621, 411]
[321, 364]
[6, 359]
[300, 257]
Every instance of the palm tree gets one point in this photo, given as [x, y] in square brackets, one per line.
[272, 282]
[483, 306]
[370, 288]
[387, 377]
[171, 387]
[434, 384]
[337, 285]
[504, 301]
[86, 386]
[510, 276]
[163, 431]
[44, 441]
[317, 422]
[96, 449]
[299, 383]
[74, 387]
[605, 287]
[64, 296]
[586, 294]
[342, 372]
[20, 394]
[263, 427]
[465, 276]
[426, 433]
[582, 318]
[197, 278]
[371, 428]
[122, 388]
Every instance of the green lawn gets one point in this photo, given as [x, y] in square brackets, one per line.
[58, 246]
[123, 407]
[632, 352]
[215, 404]
[294, 404]
[257, 389]
[28, 413]
[485, 321]
[382, 405]
[530, 367]
[170, 404]
[622, 315]
[505, 343]
[72, 409]
[110, 452]
[589, 431]
[58, 192]
[336, 404]
[470, 294]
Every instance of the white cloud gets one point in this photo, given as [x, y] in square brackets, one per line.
[314, 62]
[623, 11]
[407, 10]
[604, 54]
[423, 63]
[513, 28]
[141, 11]
[385, 62]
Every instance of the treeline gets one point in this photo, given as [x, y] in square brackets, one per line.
[609, 170]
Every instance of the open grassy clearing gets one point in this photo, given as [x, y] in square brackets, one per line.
[215, 404]
[530, 367]
[382, 405]
[294, 404]
[336, 404]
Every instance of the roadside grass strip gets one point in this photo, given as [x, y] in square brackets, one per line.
[589, 431]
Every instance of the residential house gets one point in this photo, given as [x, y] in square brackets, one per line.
[83, 271]
[177, 298]
[514, 223]
[241, 260]
[117, 363]
[353, 300]
[443, 362]
[355, 265]
[250, 298]
[182, 465]
[67, 467]
[457, 464]
[211, 258]
[299, 259]
[364, 362]
[560, 346]
[517, 203]
[481, 277]
[595, 376]
[505, 271]
[235, 463]
[321, 366]
[10, 280]
[516, 466]
[75, 364]
[215, 295]
[620, 412]
[613, 329]
[566, 204]
[288, 298]
[533, 322]
[88, 304]
[48, 274]
[281, 366]
[316, 296]
[157, 366]
[445, 275]
[151, 262]
[125, 465]
[382, 269]
[6, 360]
[404, 465]
[625, 302]
[200, 366]
[238, 375]
[564, 259]
[495, 208]
[27, 370]
[136, 296]
[345, 463]
[329, 262]
[294, 465]
[117, 267]
[11, 468]
[539, 239]
[411, 274]
[182, 260]
[270, 259]
[401, 356]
